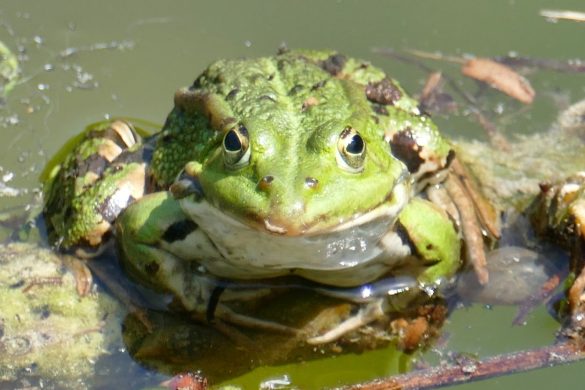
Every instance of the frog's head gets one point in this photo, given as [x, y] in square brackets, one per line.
[286, 145]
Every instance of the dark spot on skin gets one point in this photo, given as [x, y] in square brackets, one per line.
[402, 233]
[375, 119]
[110, 210]
[166, 137]
[232, 94]
[265, 182]
[430, 247]
[364, 65]
[282, 50]
[383, 92]
[196, 83]
[270, 77]
[179, 230]
[95, 163]
[296, 89]
[311, 182]
[151, 268]
[380, 109]
[267, 97]
[318, 85]
[334, 64]
[44, 312]
[450, 157]
[213, 302]
[405, 148]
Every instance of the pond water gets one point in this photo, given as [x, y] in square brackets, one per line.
[86, 61]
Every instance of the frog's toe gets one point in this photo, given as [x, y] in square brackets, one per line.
[367, 314]
[226, 314]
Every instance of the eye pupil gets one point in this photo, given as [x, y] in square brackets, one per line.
[236, 147]
[355, 145]
[232, 142]
[351, 150]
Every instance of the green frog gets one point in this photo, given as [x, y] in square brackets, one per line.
[306, 164]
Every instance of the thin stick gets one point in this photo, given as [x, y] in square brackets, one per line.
[565, 15]
[435, 56]
[475, 253]
[469, 370]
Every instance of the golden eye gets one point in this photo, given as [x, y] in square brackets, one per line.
[351, 150]
[236, 147]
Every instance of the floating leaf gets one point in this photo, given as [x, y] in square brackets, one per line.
[500, 77]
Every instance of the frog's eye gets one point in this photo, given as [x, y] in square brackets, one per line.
[351, 150]
[236, 150]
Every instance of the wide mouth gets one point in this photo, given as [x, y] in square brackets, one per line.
[248, 248]
[388, 209]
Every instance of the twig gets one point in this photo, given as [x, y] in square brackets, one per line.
[573, 65]
[564, 15]
[435, 56]
[475, 253]
[469, 370]
[415, 61]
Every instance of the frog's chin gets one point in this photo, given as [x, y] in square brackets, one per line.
[247, 251]
[290, 226]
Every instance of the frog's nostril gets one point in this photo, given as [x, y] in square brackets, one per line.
[265, 182]
[311, 182]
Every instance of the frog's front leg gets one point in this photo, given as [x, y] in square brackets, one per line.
[433, 239]
[433, 243]
[160, 246]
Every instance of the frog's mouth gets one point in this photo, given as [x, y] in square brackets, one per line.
[251, 250]
[387, 210]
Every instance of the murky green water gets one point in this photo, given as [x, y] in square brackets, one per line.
[85, 61]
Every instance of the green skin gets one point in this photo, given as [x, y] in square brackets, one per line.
[290, 153]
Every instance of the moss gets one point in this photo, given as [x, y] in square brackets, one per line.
[47, 327]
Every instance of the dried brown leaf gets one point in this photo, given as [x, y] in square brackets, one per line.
[500, 77]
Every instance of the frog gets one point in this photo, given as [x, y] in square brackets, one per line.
[306, 164]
